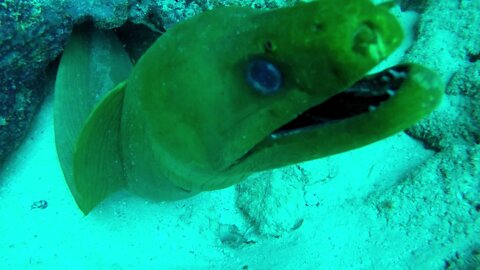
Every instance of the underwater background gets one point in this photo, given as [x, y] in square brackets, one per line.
[411, 201]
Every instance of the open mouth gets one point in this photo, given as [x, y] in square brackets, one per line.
[362, 97]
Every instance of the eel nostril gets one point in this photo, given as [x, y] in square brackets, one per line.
[367, 42]
[363, 38]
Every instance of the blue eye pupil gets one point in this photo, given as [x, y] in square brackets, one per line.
[264, 77]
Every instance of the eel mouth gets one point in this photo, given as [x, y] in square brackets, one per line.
[362, 97]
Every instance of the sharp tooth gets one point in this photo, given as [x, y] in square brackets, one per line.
[390, 92]
[397, 74]
[274, 136]
[371, 108]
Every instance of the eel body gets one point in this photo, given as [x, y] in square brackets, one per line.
[231, 92]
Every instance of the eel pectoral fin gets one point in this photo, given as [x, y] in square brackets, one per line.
[86, 113]
[97, 161]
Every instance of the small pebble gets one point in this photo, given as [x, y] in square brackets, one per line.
[42, 204]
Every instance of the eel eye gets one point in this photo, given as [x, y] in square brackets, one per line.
[264, 77]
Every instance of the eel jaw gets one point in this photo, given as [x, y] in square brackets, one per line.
[372, 109]
[362, 97]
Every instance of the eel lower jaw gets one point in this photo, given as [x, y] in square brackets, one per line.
[362, 97]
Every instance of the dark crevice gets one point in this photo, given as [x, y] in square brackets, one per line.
[137, 38]
[473, 57]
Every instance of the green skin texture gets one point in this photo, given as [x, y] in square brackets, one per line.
[186, 120]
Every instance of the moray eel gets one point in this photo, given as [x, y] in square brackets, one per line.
[231, 92]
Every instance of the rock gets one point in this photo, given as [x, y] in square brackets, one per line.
[453, 49]
[273, 202]
[31, 36]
